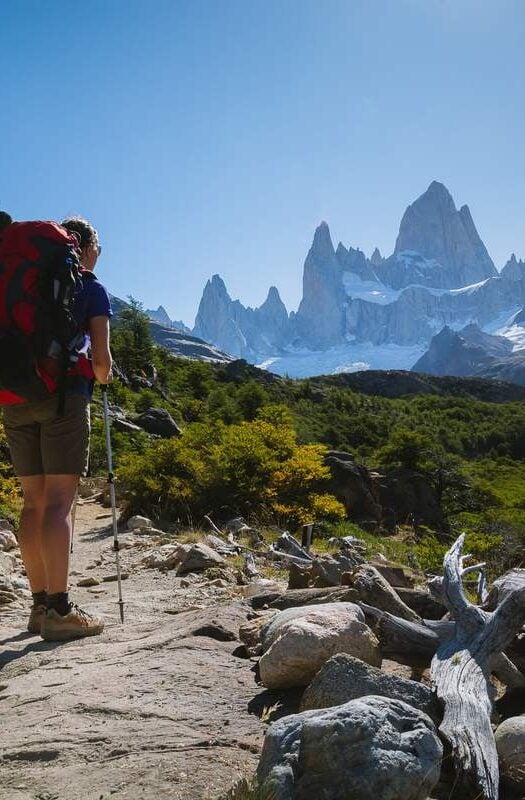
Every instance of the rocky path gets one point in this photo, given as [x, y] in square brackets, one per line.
[150, 709]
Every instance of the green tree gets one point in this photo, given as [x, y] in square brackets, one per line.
[131, 341]
[406, 448]
[250, 398]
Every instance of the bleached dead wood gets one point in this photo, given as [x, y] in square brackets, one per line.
[278, 555]
[372, 587]
[410, 643]
[286, 543]
[460, 672]
[212, 525]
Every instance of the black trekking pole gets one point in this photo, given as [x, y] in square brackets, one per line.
[111, 482]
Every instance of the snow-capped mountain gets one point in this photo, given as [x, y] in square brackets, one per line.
[375, 313]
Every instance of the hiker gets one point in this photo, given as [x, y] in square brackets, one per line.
[49, 450]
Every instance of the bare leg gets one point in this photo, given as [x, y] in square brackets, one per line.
[59, 492]
[30, 531]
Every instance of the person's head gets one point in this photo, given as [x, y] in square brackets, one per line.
[88, 237]
[5, 220]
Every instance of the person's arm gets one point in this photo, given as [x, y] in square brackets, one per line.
[100, 353]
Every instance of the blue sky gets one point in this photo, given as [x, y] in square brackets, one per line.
[213, 136]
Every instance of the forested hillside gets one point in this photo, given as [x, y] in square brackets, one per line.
[255, 444]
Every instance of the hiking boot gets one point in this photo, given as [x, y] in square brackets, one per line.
[73, 625]
[36, 616]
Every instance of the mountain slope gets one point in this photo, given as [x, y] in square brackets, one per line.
[472, 352]
[358, 312]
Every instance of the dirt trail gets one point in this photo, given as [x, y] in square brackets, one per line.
[147, 710]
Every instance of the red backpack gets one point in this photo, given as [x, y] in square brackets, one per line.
[39, 277]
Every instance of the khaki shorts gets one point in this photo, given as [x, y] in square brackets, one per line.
[42, 443]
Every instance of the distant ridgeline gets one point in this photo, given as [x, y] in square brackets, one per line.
[175, 335]
[385, 313]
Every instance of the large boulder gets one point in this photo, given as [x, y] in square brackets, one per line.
[198, 558]
[345, 678]
[328, 570]
[371, 747]
[137, 522]
[159, 422]
[352, 485]
[297, 642]
[510, 743]
[406, 496]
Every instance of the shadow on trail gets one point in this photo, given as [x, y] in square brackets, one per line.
[97, 535]
[8, 656]
[18, 637]
[101, 533]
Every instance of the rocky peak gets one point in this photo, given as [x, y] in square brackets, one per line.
[322, 246]
[376, 257]
[159, 315]
[214, 310]
[273, 309]
[273, 298]
[217, 286]
[445, 240]
[319, 319]
[513, 270]
[354, 260]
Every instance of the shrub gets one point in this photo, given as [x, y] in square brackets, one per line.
[252, 468]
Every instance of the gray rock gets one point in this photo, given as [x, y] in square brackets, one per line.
[7, 564]
[327, 570]
[90, 581]
[139, 522]
[510, 743]
[159, 422]
[351, 483]
[367, 748]
[298, 641]
[345, 678]
[198, 558]
[8, 540]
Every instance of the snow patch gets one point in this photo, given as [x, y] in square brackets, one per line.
[346, 358]
[373, 291]
[471, 289]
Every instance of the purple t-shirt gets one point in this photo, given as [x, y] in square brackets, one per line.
[91, 301]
